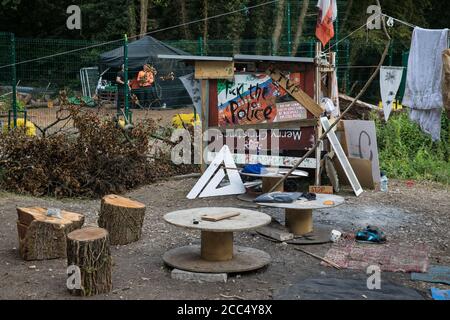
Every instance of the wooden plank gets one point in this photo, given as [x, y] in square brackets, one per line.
[296, 92]
[205, 70]
[216, 218]
[354, 182]
[321, 189]
[274, 125]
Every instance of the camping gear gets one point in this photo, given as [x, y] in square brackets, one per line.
[278, 197]
[371, 235]
[285, 197]
[423, 93]
[146, 51]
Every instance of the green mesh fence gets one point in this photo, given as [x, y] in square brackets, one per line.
[43, 78]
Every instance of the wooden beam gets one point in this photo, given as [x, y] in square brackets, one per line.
[275, 125]
[296, 92]
[208, 70]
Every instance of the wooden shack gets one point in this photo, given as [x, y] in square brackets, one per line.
[275, 95]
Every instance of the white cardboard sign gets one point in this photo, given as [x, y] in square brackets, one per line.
[208, 184]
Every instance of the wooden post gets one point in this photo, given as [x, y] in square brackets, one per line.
[42, 237]
[205, 120]
[317, 100]
[123, 218]
[269, 182]
[217, 246]
[88, 250]
[299, 222]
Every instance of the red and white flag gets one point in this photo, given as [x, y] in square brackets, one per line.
[327, 15]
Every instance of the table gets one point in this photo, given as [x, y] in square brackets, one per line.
[217, 253]
[269, 180]
[299, 214]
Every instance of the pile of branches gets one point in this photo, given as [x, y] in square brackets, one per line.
[100, 157]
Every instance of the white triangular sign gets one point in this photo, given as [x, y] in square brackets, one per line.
[390, 80]
[208, 184]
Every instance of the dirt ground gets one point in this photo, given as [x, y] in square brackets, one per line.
[411, 214]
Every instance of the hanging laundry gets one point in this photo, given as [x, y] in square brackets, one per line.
[446, 84]
[327, 15]
[423, 93]
[390, 80]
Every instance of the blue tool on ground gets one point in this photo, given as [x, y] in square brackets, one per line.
[371, 235]
[440, 295]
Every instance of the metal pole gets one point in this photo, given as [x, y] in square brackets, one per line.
[289, 36]
[14, 79]
[125, 50]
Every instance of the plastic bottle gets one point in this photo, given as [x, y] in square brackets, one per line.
[384, 183]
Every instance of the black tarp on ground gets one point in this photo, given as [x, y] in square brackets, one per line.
[144, 51]
[344, 289]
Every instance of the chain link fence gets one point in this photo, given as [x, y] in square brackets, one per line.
[47, 66]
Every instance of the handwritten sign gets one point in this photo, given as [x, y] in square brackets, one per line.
[255, 99]
[321, 189]
[296, 92]
[361, 141]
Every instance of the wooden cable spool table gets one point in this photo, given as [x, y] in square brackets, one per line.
[217, 253]
[299, 217]
[269, 180]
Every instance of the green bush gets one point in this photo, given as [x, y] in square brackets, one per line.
[408, 153]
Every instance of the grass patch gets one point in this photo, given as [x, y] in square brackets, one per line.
[408, 153]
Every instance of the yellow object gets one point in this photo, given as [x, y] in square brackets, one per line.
[122, 123]
[30, 128]
[395, 107]
[186, 119]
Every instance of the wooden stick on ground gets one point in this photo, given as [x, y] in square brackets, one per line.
[320, 258]
[363, 90]
[231, 297]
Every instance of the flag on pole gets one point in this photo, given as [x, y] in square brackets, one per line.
[327, 15]
[390, 80]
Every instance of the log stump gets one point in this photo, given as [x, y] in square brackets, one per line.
[88, 249]
[123, 218]
[42, 237]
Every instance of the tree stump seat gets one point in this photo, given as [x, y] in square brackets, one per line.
[42, 237]
[123, 218]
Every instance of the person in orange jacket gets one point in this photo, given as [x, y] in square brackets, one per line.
[146, 80]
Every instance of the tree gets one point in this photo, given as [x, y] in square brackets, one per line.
[131, 19]
[276, 37]
[205, 24]
[301, 22]
[144, 18]
[184, 19]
